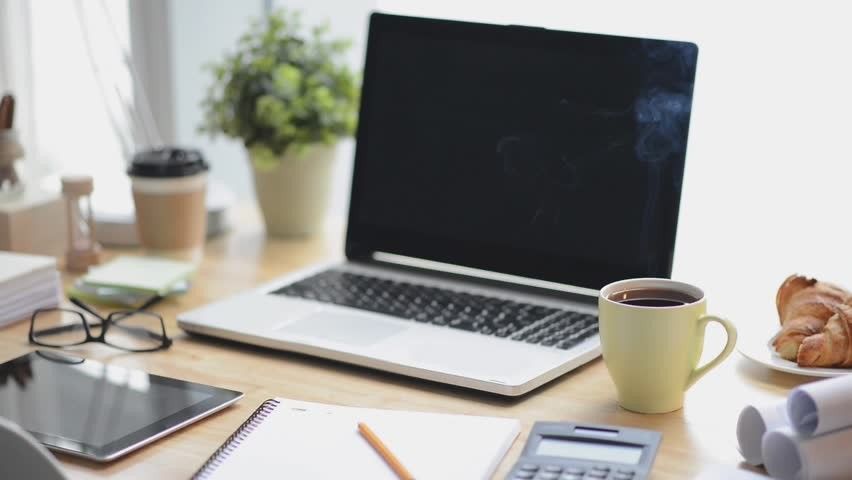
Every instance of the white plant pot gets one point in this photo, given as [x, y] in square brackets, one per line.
[293, 196]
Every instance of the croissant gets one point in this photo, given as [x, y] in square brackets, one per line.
[831, 347]
[804, 306]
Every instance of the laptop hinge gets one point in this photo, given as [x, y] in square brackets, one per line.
[500, 280]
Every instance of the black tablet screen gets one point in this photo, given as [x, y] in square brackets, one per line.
[86, 402]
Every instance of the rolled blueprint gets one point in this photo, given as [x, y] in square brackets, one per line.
[754, 422]
[820, 407]
[790, 456]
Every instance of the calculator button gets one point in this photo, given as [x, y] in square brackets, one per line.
[625, 470]
[574, 471]
[524, 475]
[547, 476]
[622, 476]
[553, 468]
[596, 474]
[570, 476]
[602, 469]
[529, 467]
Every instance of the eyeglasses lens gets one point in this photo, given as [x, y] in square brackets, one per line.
[135, 331]
[58, 328]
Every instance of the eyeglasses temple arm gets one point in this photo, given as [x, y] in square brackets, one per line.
[87, 308]
[151, 302]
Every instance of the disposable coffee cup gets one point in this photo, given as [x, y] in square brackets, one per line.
[169, 188]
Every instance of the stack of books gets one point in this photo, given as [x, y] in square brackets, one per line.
[27, 283]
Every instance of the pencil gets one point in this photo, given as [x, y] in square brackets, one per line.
[5, 105]
[10, 113]
[383, 450]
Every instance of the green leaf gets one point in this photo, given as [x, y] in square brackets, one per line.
[287, 80]
[263, 158]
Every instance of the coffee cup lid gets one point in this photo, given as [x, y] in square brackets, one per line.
[167, 162]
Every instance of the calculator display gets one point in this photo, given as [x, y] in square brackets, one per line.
[604, 452]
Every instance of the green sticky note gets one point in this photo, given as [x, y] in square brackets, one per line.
[155, 276]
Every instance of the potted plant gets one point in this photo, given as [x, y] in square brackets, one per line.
[288, 95]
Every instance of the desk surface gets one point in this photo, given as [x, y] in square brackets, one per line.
[697, 438]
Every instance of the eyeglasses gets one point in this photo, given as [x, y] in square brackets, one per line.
[129, 330]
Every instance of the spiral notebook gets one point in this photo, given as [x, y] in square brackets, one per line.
[296, 439]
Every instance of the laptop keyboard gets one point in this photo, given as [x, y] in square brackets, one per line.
[524, 322]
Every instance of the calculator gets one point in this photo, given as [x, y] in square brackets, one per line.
[571, 451]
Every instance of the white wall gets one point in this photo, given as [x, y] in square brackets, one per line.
[202, 32]
[766, 184]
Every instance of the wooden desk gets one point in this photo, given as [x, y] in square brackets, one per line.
[696, 438]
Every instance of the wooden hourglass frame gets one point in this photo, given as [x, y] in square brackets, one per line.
[83, 251]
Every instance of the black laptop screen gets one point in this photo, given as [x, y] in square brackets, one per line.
[544, 154]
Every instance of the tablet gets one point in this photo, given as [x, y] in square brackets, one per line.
[97, 411]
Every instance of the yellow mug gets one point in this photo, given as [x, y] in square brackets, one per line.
[652, 352]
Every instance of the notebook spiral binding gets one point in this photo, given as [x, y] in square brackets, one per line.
[233, 442]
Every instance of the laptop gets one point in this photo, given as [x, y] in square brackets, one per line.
[502, 176]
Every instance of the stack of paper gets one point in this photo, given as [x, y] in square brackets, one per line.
[130, 281]
[807, 435]
[27, 283]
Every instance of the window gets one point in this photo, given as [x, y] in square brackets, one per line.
[82, 97]
[66, 62]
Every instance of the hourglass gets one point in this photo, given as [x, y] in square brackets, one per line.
[83, 250]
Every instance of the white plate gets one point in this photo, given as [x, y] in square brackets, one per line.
[754, 346]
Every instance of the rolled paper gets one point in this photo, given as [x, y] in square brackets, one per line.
[821, 407]
[753, 423]
[788, 455]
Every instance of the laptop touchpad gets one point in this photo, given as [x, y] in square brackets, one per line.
[342, 327]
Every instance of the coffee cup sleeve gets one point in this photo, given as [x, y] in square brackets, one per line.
[753, 423]
[821, 407]
[790, 456]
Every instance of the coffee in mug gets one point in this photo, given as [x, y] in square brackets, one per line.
[169, 190]
[652, 336]
[652, 297]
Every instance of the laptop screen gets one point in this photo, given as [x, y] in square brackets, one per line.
[550, 155]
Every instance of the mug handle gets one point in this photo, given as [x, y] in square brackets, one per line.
[729, 346]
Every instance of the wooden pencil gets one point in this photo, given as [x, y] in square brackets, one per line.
[385, 452]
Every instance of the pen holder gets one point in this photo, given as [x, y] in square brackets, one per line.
[11, 185]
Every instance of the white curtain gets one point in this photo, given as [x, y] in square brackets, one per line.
[69, 119]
